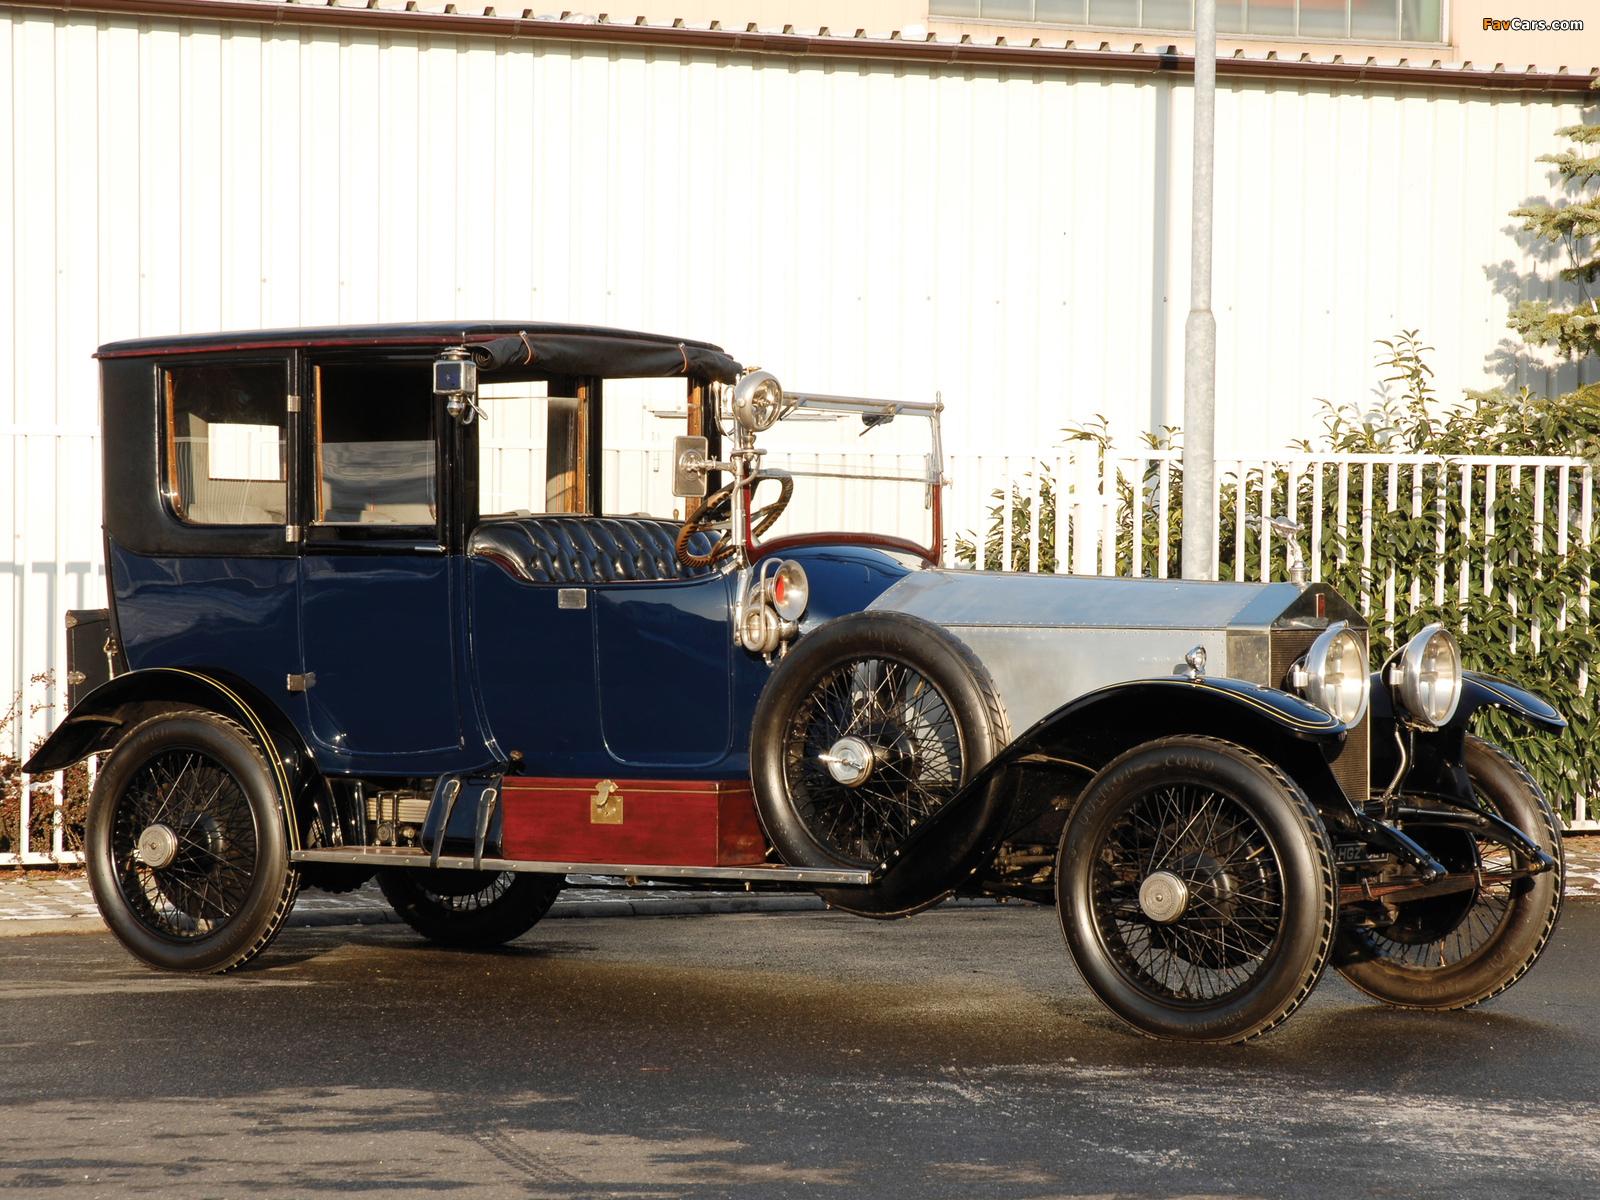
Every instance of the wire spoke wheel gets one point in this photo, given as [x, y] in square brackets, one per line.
[474, 892]
[1459, 949]
[1195, 890]
[469, 908]
[1231, 880]
[864, 744]
[906, 725]
[207, 880]
[186, 846]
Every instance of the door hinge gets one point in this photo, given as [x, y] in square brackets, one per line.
[291, 533]
[303, 683]
[294, 404]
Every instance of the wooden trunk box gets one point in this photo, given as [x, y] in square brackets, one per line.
[679, 823]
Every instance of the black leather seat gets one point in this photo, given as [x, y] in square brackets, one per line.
[575, 549]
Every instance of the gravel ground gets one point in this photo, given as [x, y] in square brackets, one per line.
[51, 901]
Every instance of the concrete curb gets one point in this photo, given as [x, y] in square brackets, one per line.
[23, 928]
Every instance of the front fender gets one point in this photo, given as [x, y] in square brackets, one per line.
[1438, 756]
[103, 717]
[1485, 691]
[1077, 740]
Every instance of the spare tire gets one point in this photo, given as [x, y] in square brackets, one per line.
[869, 731]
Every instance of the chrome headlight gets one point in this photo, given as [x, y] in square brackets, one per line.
[757, 401]
[1333, 674]
[1429, 680]
[788, 590]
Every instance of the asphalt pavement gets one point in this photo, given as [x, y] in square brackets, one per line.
[765, 1055]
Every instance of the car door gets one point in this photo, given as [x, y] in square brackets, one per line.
[378, 591]
[663, 665]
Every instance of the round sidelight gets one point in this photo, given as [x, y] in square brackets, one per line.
[1333, 675]
[757, 401]
[788, 590]
[1430, 676]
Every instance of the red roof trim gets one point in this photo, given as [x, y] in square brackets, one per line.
[957, 54]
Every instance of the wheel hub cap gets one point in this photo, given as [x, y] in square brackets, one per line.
[849, 761]
[158, 846]
[1163, 897]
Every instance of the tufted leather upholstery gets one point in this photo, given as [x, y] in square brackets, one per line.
[566, 549]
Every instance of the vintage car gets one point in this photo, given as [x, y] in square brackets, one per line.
[333, 649]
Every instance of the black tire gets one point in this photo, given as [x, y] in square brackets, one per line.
[1249, 943]
[223, 894]
[928, 716]
[1458, 950]
[334, 878]
[469, 908]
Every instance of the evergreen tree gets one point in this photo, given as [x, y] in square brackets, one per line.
[1574, 331]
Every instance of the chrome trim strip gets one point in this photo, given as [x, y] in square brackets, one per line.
[383, 856]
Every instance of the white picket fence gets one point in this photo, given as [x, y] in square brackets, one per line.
[1087, 488]
[1086, 497]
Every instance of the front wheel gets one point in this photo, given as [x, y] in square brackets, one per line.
[1459, 949]
[469, 908]
[1195, 890]
[186, 847]
[866, 731]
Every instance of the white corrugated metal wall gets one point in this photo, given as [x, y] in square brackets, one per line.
[1014, 240]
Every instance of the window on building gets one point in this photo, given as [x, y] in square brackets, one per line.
[1356, 20]
[226, 429]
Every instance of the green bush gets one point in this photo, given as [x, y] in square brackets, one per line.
[1529, 586]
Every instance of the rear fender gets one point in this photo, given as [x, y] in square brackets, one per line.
[100, 720]
[1050, 764]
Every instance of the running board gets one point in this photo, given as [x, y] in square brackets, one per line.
[386, 856]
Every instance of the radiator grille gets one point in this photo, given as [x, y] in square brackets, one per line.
[1352, 766]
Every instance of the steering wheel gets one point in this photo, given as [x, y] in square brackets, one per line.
[715, 516]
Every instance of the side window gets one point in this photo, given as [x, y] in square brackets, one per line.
[533, 450]
[226, 430]
[375, 459]
[642, 416]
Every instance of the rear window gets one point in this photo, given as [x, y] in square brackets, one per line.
[227, 432]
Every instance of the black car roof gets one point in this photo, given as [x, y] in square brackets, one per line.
[405, 333]
[509, 349]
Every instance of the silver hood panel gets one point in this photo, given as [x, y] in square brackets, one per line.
[1047, 639]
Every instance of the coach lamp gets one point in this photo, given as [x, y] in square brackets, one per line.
[757, 401]
[455, 377]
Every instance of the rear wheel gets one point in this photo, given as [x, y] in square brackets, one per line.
[1459, 949]
[186, 848]
[1195, 891]
[469, 908]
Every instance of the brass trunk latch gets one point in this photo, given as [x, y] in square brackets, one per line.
[605, 806]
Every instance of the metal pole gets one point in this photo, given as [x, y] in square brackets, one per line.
[1200, 330]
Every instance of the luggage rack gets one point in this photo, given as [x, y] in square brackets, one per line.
[408, 856]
